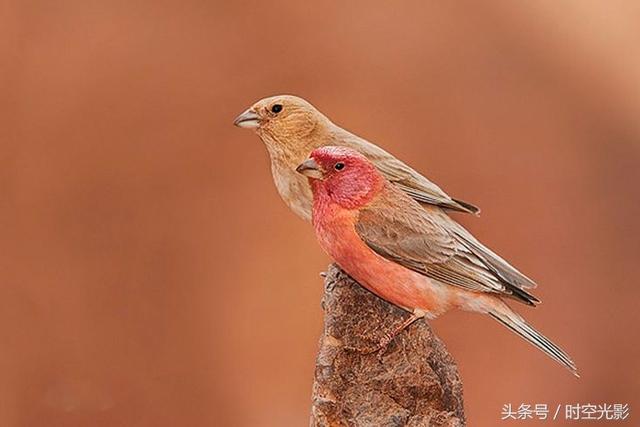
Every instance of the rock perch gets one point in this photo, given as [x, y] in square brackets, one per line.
[412, 382]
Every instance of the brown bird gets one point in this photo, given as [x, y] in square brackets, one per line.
[437, 263]
[291, 128]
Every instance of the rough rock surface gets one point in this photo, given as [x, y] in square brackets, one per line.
[414, 381]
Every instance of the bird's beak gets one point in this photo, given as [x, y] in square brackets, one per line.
[249, 119]
[311, 169]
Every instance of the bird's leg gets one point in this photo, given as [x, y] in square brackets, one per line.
[389, 336]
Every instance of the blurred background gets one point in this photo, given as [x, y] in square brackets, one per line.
[151, 276]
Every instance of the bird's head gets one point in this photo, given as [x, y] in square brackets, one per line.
[281, 117]
[344, 174]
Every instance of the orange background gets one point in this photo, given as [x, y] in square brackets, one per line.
[150, 274]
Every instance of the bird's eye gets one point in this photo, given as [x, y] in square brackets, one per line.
[339, 166]
[276, 108]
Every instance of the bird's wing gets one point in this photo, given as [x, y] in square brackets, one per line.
[407, 179]
[432, 244]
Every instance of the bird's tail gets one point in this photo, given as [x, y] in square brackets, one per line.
[503, 314]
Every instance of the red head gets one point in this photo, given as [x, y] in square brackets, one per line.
[343, 174]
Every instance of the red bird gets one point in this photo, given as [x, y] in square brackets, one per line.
[413, 256]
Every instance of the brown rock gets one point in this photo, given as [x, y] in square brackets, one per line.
[414, 381]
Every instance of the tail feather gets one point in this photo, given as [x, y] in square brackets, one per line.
[518, 325]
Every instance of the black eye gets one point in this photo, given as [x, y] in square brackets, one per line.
[339, 166]
[276, 108]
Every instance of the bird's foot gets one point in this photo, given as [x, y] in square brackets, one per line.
[382, 344]
[390, 336]
[329, 285]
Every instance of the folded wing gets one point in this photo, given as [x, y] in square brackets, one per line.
[404, 177]
[428, 241]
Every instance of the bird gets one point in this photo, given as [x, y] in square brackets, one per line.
[291, 128]
[416, 257]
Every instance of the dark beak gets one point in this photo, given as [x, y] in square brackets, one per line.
[248, 119]
[311, 169]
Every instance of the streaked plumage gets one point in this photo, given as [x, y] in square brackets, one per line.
[429, 242]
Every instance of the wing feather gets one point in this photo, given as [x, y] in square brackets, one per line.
[428, 241]
[403, 176]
